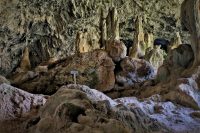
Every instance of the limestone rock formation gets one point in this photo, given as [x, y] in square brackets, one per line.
[87, 41]
[176, 41]
[134, 71]
[71, 111]
[4, 80]
[155, 56]
[191, 20]
[77, 108]
[49, 28]
[14, 103]
[95, 69]
[116, 50]
[112, 23]
[138, 48]
[25, 64]
[183, 56]
[149, 39]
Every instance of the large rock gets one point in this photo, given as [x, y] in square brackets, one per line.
[15, 103]
[155, 56]
[70, 110]
[183, 56]
[172, 116]
[95, 69]
[134, 71]
[77, 108]
[116, 50]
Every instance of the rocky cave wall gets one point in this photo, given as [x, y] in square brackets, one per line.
[49, 28]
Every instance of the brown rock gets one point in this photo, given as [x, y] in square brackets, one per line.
[4, 80]
[87, 41]
[71, 111]
[195, 114]
[134, 71]
[139, 46]
[95, 69]
[25, 64]
[116, 50]
[15, 103]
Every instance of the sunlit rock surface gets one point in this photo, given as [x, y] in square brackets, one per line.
[14, 103]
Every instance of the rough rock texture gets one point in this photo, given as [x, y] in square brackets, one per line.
[15, 103]
[116, 50]
[178, 59]
[191, 20]
[49, 28]
[181, 90]
[87, 41]
[77, 108]
[139, 46]
[4, 80]
[71, 111]
[154, 56]
[174, 117]
[95, 69]
[134, 71]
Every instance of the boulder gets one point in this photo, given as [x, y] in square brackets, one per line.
[134, 71]
[183, 56]
[77, 108]
[15, 103]
[116, 50]
[70, 110]
[155, 56]
[95, 69]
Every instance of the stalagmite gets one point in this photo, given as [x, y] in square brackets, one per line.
[81, 42]
[148, 39]
[103, 29]
[138, 48]
[176, 41]
[155, 56]
[112, 22]
[25, 64]
[116, 49]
